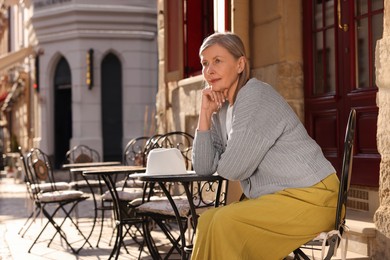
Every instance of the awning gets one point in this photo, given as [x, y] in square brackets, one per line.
[15, 57]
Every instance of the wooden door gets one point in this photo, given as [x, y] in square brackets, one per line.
[339, 48]
[112, 107]
[62, 111]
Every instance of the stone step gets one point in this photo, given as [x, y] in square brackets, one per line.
[361, 235]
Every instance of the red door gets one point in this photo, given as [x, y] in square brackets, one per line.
[339, 50]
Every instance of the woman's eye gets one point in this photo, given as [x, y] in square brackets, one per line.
[217, 61]
[204, 64]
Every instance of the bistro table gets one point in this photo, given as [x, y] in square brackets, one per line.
[72, 166]
[186, 180]
[90, 164]
[75, 170]
[108, 174]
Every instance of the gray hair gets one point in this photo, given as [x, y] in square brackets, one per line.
[234, 45]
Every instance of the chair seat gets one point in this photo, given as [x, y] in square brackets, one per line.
[130, 184]
[57, 196]
[128, 194]
[83, 184]
[45, 187]
[321, 236]
[161, 205]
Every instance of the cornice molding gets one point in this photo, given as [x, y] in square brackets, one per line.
[73, 21]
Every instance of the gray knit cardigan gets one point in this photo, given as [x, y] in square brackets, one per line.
[268, 150]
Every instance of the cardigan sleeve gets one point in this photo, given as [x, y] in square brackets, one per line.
[258, 121]
[207, 149]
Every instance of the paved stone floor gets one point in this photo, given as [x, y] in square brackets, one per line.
[14, 210]
[15, 207]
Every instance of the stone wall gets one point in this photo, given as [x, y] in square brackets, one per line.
[382, 66]
[382, 63]
[287, 79]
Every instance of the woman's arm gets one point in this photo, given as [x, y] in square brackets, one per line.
[259, 119]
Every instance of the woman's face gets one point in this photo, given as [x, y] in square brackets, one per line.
[220, 69]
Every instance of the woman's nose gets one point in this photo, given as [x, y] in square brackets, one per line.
[210, 70]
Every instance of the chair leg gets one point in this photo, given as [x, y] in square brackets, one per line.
[133, 234]
[333, 241]
[112, 236]
[67, 216]
[153, 251]
[58, 227]
[55, 225]
[101, 228]
[175, 241]
[39, 235]
[118, 242]
[298, 255]
[25, 223]
[32, 219]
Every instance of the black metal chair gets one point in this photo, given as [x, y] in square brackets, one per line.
[38, 170]
[128, 189]
[93, 184]
[158, 210]
[331, 239]
[35, 188]
[83, 154]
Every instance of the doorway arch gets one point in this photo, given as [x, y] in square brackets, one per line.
[62, 111]
[112, 125]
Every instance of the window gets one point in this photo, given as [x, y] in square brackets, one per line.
[188, 23]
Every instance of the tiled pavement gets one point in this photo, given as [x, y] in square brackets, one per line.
[14, 210]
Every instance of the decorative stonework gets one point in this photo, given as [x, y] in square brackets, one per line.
[382, 215]
[287, 79]
[182, 105]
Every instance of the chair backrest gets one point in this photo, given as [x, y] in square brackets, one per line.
[26, 172]
[135, 152]
[180, 140]
[203, 192]
[39, 168]
[82, 154]
[346, 170]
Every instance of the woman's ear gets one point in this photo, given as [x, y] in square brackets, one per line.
[241, 64]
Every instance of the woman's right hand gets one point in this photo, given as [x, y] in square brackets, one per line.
[212, 101]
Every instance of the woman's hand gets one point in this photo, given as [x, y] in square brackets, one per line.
[212, 101]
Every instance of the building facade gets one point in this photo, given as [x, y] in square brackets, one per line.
[92, 71]
[324, 57]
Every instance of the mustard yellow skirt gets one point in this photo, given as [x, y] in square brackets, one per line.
[269, 227]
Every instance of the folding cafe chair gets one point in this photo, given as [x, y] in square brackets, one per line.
[128, 189]
[38, 170]
[331, 239]
[157, 211]
[95, 186]
[83, 154]
[33, 189]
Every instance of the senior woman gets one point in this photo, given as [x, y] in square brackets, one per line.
[247, 132]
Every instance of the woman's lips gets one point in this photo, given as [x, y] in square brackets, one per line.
[212, 81]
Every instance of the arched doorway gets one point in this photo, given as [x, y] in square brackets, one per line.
[112, 126]
[62, 111]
